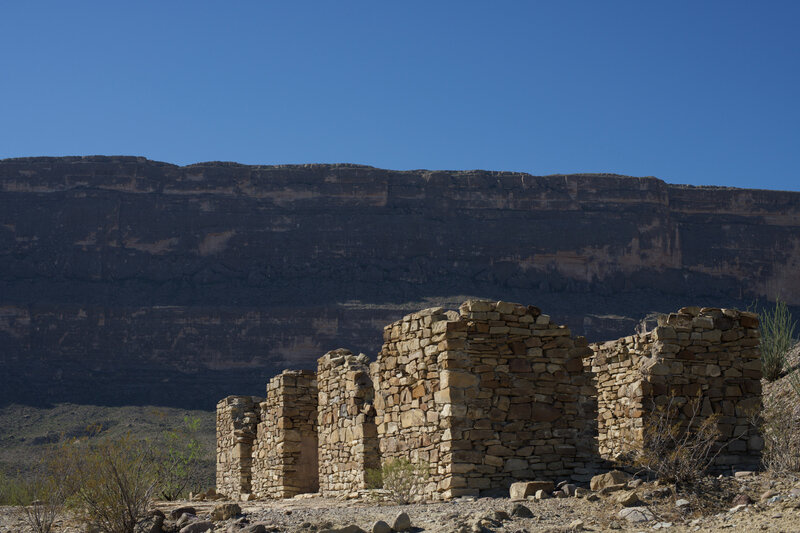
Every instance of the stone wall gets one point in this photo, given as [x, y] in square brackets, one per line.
[348, 438]
[285, 453]
[237, 417]
[708, 354]
[411, 422]
[487, 396]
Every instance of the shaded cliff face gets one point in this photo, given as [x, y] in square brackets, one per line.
[124, 280]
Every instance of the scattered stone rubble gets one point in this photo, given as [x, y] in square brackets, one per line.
[485, 397]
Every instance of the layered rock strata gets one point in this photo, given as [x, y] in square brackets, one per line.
[216, 276]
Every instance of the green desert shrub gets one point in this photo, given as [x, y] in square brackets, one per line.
[13, 490]
[401, 478]
[777, 338]
[178, 460]
[111, 482]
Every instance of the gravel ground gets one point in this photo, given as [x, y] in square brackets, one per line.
[308, 515]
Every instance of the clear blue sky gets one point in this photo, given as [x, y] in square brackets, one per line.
[700, 92]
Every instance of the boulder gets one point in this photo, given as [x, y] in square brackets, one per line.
[201, 526]
[224, 511]
[614, 477]
[176, 513]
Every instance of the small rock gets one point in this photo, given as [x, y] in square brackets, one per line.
[580, 492]
[541, 495]
[632, 484]
[662, 525]
[225, 511]
[381, 527]
[592, 497]
[743, 473]
[766, 495]
[198, 527]
[559, 494]
[628, 499]
[576, 525]
[612, 488]
[501, 515]
[614, 477]
[736, 509]
[742, 499]
[352, 528]
[774, 499]
[637, 514]
[254, 528]
[569, 489]
[663, 492]
[682, 503]
[402, 522]
[520, 511]
[523, 489]
[176, 513]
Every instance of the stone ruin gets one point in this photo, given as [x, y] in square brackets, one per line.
[486, 396]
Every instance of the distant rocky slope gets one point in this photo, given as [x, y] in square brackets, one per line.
[129, 281]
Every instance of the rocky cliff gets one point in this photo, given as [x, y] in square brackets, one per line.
[124, 280]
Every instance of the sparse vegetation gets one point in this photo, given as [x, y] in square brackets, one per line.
[401, 478]
[110, 483]
[780, 428]
[777, 338]
[676, 448]
[177, 460]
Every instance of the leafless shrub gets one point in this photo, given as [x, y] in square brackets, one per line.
[676, 448]
[780, 428]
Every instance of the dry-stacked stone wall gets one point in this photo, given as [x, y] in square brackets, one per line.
[285, 453]
[526, 403]
[488, 396]
[237, 418]
[411, 422]
[706, 355]
[348, 438]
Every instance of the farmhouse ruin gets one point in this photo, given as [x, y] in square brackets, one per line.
[487, 395]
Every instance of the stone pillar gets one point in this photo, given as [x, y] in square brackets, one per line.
[237, 418]
[348, 439]
[285, 454]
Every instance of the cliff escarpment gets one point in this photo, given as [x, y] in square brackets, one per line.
[124, 280]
